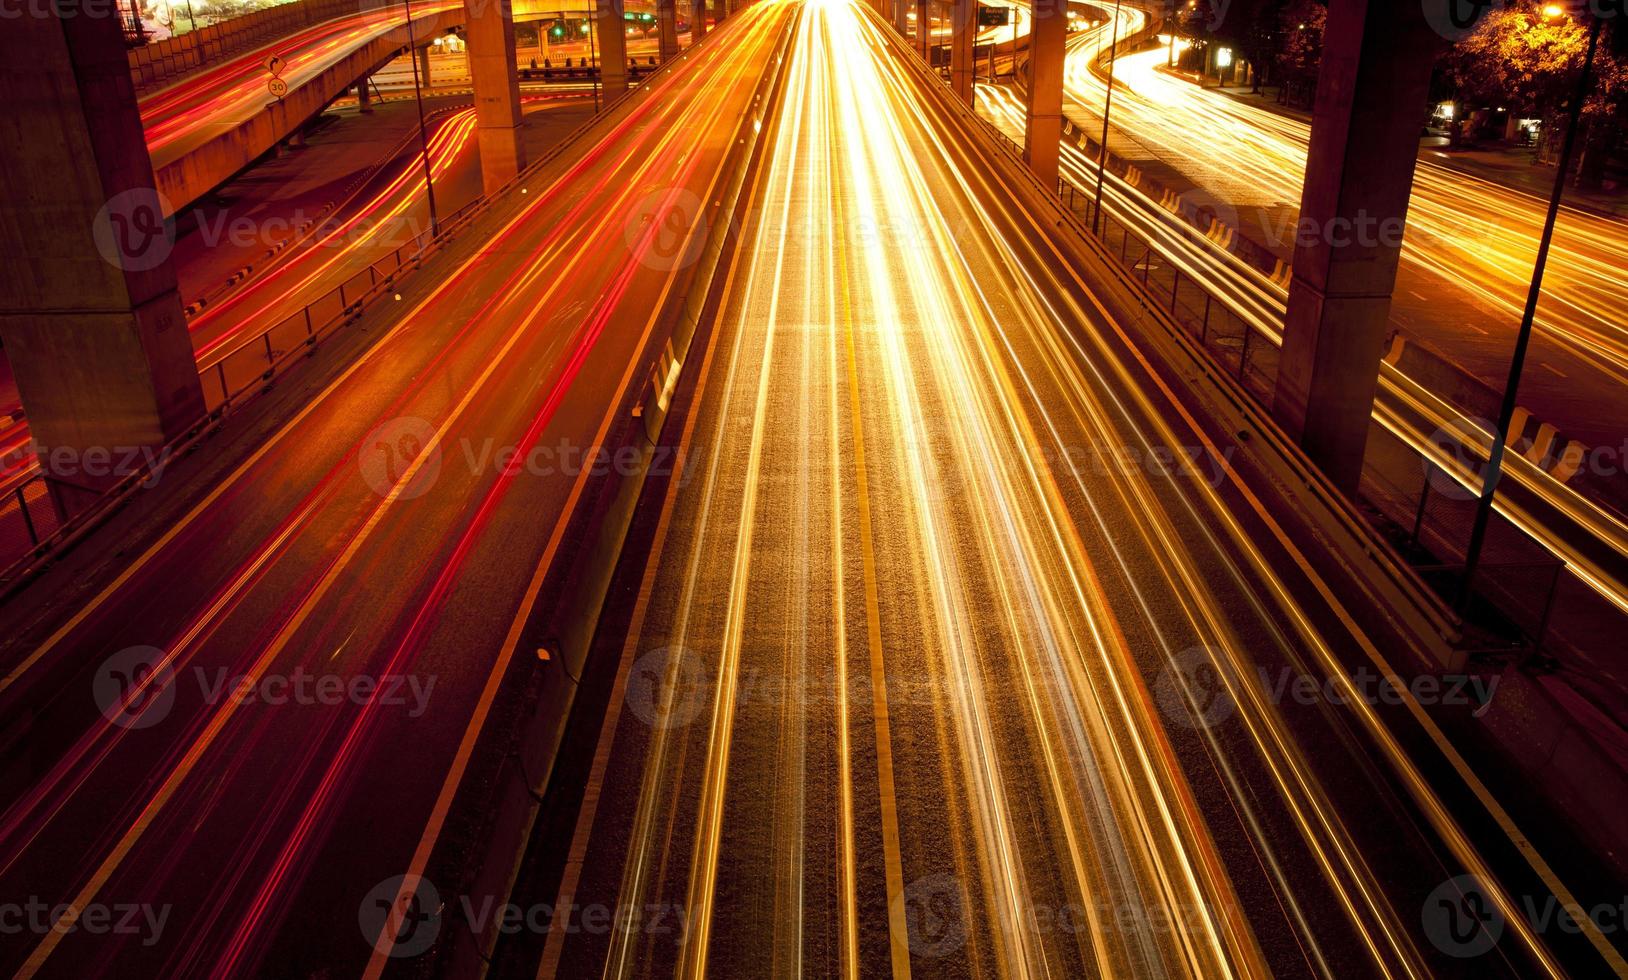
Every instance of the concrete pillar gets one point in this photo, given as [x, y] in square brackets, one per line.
[720, 12]
[612, 31]
[1043, 125]
[963, 35]
[924, 32]
[364, 96]
[698, 21]
[901, 17]
[667, 28]
[423, 56]
[490, 30]
[89, 312]
[1371, 91]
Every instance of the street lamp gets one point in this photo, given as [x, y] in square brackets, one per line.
[1107, 104]
[423, 134]
[1506, 411]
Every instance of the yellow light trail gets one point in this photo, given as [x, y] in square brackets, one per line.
[1021, 595]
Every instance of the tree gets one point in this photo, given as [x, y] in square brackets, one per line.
[1301, 51]
[1528, 61]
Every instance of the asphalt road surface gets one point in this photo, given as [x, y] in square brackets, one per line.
[932, 670]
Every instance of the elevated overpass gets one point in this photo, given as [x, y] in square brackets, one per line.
[208, 126]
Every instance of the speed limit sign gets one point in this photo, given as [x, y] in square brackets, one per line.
[277, 87]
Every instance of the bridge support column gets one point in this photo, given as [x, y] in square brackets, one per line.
[89, 312]
[1372, 88]
[1043, 125]
[924, 29]
[497, 90]
[364, 96]
[720, 12]
[667, 28]
[901, 17]
[612, 30]
[698, 21]
[423, 56]
[963, 35]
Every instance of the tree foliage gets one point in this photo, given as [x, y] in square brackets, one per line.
[1521, 59]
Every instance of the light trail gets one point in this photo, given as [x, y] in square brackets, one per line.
[1479, 236]
[1023, 596]
[1590, 540]
[214, 100]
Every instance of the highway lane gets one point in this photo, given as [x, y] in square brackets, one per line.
[366, 528]
[901, 690]
[1468, 251]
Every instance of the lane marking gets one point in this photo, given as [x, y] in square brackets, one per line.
[898, 927]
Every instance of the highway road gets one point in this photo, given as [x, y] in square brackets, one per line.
[910, 684]
[1467, 255]
[254, 704]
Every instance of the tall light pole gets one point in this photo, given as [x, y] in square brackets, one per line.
[1107, 104]
[1506, 411]
[593, 54]
[423, 132]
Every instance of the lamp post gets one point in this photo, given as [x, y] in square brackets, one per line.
[1107, 104]
[1506, 411]
[423, 133]
[593, 54]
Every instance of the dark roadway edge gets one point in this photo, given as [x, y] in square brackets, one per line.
[549, 848]
[1409, 626]
[521, 774]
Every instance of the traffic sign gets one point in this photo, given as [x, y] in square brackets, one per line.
[277, 87]
[994, 16]
[274, 64]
